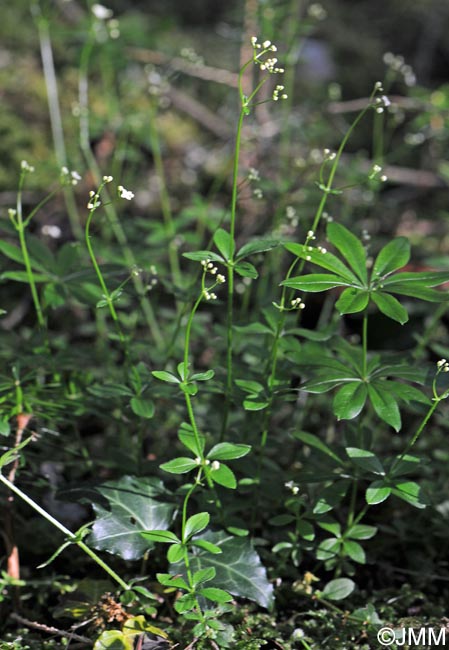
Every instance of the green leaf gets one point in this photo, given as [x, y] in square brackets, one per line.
[168, 580]
[390, 306]
[203, 575]
[195, 524]
[22, 276]
[410, 492]
[349, 400]
[331, 496]
[133, 506]
[180, 465]
[246, 270]
[253, 328]
[175, 553]
[313, 441]
[113, 640]
[228, 451]
[202, 256]
[338, 589]
[223, 476]
[352, 301]
[407, 393]
[385, 404]
[110, 391]
[238, 568]
[325, 260]
[328, 549]
[5, 428]
[355, 551]
[392, 257]
[416, 291]
[257, 246]
[361, 531]
[13, 252]
[203, 376]
[160, 536]
[366, 460]
[216, 595]
[142, 407]
[377, 492]
[224, 243]
[185, 603]
[195, 444]
[165, 376]
[255, 404]
[207, 546]
[350, 248]
[421, 279]
[315, 282]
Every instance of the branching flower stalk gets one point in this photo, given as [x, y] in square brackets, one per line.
[93, 204]
[327, 189]
[111, 213]
[246, 103]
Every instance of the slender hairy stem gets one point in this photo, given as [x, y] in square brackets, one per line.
[20, 227]
[64, 530]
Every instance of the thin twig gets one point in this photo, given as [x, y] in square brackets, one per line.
[51, 630]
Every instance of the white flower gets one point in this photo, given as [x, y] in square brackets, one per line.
[215, 465]
[221, 279]
[26, 167]
[101, 12]
[107, 179]
[125, 194]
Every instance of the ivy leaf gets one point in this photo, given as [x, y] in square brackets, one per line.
[238, 568]
[350, 248]
[133, 506]
[224, 243]
[352, 300]
[393, 256]
[385, 404]
[316, 282]
[390, 306]
[350, 400]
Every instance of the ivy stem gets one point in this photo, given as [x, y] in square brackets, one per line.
[64, 530]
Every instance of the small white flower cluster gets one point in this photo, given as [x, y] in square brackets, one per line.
[69, 177]
[291, 215]
[191, 56]
[365, 235]
[327, 217]
[215, 465]
[397, 63]
[26, 167]
[253, 174]
[297, 303]
[290, 485]
[375, 171]
[329, 155]
[154, 281]
[380, 103]
[322, 250]
[105, 15]
[443, 365]
[269, 64]
[276, 92]
[125, 194]
[258, 193]
[94, 201]
[52, 231]
[317, 11]
[210, 295]
[310, 235]
[107, 179]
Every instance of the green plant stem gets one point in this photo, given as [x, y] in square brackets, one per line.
[101, 280]
[111, 214]
[230, 278]
[64, 530]
[20, 227]
[170, 229]
[364, 345]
